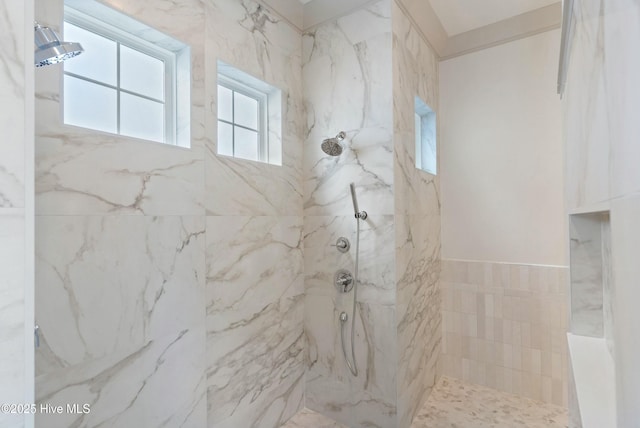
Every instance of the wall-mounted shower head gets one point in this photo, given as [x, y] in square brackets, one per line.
[49, 48]
[333, 146]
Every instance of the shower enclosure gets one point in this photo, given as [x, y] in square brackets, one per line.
[153, 260]
[397, 321]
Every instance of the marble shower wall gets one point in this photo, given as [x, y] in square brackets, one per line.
[16, 128]
[255, 341]
[347, 87]
[361, 73]
[601, 102]
[417, 223]
[154, 260]
[120, 255]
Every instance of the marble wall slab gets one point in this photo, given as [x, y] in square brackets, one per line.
[586, 112]
[417, 223]
[347, 73]
[12, 94]
[160, 383]
[12, 315]
[119, 300]
[109, 283]
[504, 326]
[347, 87]
[122, 230]
[255, 340]
[419, 316]
[81, 171]
[369, 399]
[249, 37]
[16, 127]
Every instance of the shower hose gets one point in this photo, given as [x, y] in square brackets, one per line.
[343, 318]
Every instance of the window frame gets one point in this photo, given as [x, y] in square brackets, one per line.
[263, 115]
[426, 115]
[122, 37]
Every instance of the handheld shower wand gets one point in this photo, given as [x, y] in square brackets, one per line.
[362, 215]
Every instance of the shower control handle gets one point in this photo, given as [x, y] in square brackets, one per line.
[343, 280]
[342, 244]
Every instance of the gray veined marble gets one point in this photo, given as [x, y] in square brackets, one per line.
[110, 283]
[361, 73]
[253, 39]
[346, 73]
[12, 92]
[417, 224]
[16, 128]
[255, 341]
[84, 172]
[134, 387]
[588, 274]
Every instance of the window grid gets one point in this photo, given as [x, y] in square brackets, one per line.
[90, 24]
[261, 98]
[119, 89]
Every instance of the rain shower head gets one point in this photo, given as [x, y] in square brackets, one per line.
[49, 48]
[333, 146]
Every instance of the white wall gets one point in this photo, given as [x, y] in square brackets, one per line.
[501, 154]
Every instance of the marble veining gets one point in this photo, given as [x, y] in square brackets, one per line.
[17, 132]
[12, 92]
[85, 172]
[347, 87]
[363, 79]
[151, 269]
[587, 274]
[255, 341]
[135, 283]
[417, 223]
[130, 388]
[347, 74]
[12, 307]
[251, 38]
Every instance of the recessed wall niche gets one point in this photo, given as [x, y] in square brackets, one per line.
[591, 284]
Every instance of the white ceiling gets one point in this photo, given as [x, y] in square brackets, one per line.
[453, 27]
[459, 16]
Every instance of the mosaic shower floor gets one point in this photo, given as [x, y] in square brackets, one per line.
[454, 404]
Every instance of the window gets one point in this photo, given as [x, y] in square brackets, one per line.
[248, 117]
[124, 84]
[241, 121]
[426, 147]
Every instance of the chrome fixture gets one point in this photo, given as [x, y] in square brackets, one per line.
[362, 215]
[333, 146]
[351, 363]
[343, 280]
[49, 48]
[36, 335]
[342, 244]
